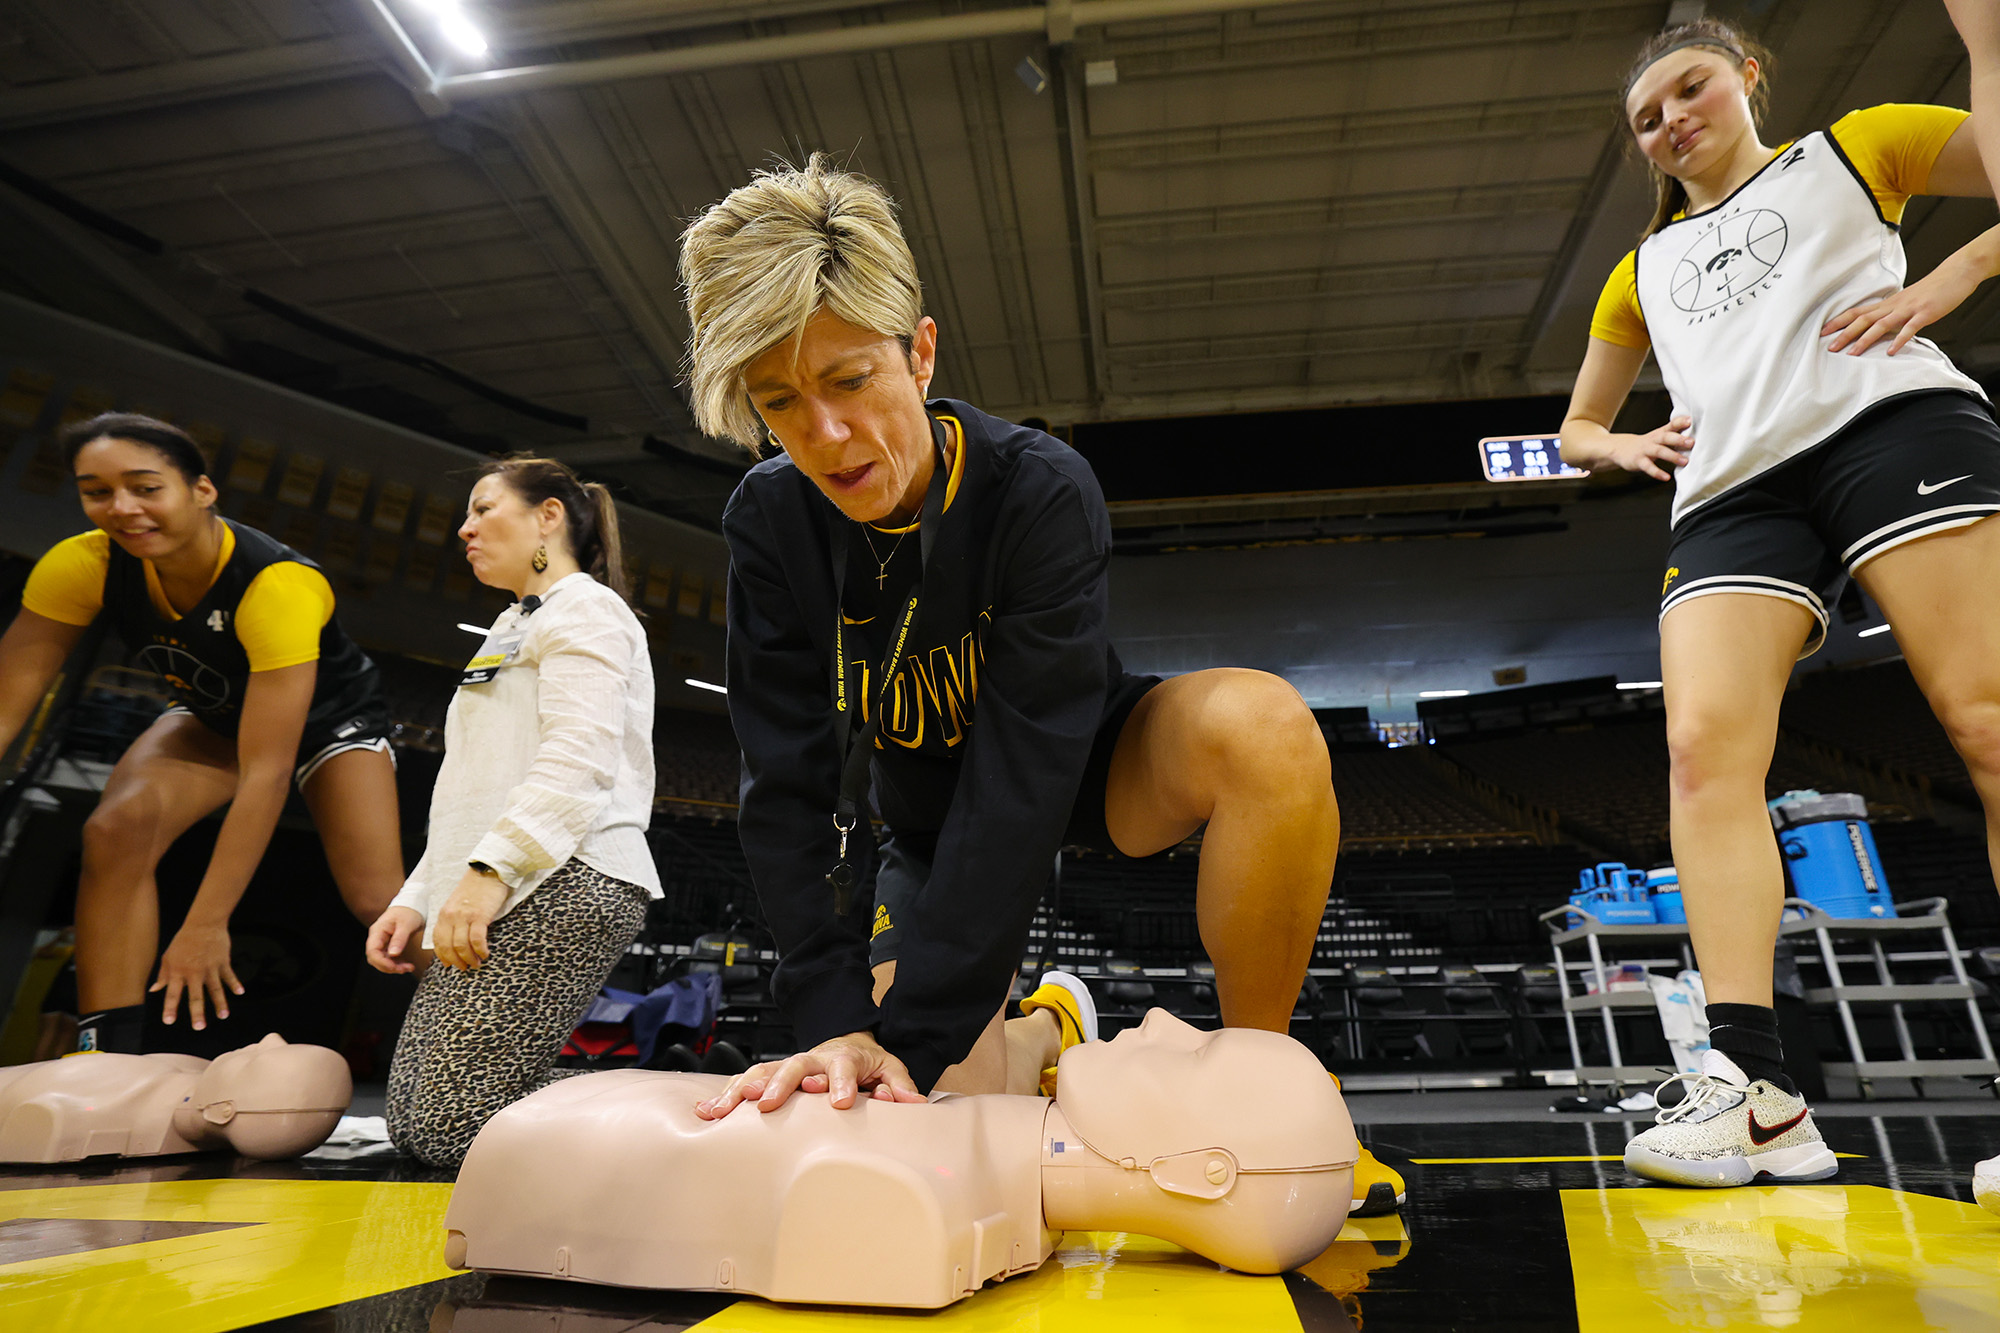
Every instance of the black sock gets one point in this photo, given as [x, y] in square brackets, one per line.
[1748, 1034]
[115, 1030]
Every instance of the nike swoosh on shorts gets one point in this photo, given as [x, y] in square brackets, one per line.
[1923, 489]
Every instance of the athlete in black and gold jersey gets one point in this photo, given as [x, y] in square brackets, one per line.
[268, 691]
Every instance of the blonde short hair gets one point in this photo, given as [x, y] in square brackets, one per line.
[758, 265]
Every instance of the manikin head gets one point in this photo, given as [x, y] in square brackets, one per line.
[269, 1100]
[1234, 1144]
[1165, 1088]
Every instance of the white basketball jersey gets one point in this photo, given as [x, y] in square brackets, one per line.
[1734, 299]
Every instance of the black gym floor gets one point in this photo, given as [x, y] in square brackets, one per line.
[1522, 1223]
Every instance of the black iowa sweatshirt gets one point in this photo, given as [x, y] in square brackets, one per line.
[1001, 693]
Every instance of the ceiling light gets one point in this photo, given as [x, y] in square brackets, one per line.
[704, 685]
[472, 629]
[459, 31]
[1442, 694]
[1879, 629]
[457, 27]
[1640, 684]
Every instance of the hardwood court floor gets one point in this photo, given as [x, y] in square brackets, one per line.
[1511, 1225]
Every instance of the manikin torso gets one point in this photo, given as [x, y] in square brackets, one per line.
[1234, 1144]
[269, 1100]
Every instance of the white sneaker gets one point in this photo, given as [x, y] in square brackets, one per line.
[1730, 1131]
[1986, 1184]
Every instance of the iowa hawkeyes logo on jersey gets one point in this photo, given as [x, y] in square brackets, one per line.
[193, 681]
[1730, 258]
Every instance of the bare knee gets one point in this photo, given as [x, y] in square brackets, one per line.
[1711, 749]
[1259, 732]
[121, 830]
[1974, 727]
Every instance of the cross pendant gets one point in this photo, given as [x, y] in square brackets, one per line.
[882, 577]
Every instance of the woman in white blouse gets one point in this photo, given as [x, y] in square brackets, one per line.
[536, 875]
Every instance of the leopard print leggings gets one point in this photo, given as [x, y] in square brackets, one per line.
[475, 1042]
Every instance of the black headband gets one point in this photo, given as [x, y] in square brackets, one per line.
[1722, 44]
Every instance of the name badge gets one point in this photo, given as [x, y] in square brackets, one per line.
[500, 648]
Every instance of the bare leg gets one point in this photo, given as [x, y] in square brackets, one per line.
[1725, 659]
[352, 797]
[1009, 1056]
[177, 772]
[1942, 594]
[1240, 751]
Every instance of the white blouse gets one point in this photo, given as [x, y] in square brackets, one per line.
[550, 759]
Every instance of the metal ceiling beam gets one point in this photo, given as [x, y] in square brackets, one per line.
[562, 21]
[289, 65]
[975, 25]
[18, 210]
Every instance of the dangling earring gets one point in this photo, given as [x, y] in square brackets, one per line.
[541, 559]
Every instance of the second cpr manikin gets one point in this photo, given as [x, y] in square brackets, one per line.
[1234, 1144]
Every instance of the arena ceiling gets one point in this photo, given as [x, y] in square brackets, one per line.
[1122, 209]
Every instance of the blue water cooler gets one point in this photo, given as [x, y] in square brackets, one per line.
[1665, 886]
[1830, 854]
[1615, 895]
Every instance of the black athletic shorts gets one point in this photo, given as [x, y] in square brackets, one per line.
[368, 729]
[1905, 469]
[905, 858]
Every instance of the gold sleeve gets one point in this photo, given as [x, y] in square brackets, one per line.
[1618, 318]
[1893, 147]
[67, 584]
[281, 614]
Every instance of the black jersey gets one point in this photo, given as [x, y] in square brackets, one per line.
[199, 655]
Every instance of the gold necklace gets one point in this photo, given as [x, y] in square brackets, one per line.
[882, 562]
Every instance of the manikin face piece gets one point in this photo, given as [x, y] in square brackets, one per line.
[1165, 1089]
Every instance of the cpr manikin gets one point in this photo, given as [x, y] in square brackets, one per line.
[1234, 1144]
[270, 1100]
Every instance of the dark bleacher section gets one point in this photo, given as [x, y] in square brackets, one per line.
[1876, 714]
[1408, 796]
[1430, 955]
[1923, 860]
[697, 758]
[1608, 784]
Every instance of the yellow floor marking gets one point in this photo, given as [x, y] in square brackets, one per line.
[1481, 1161]
[313, 1244]
[1812, 1258]
[1096, 1282]
[1344, 1268]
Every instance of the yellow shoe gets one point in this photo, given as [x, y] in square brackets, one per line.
[1064, 995]
[1377, 1189]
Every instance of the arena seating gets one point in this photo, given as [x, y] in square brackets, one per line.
[1430, 950]
[1876, 713]
[1407, 796]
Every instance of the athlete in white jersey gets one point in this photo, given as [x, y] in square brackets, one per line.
[1814, 435]
[1979, 24]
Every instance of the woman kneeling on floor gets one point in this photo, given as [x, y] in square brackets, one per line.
[536, 875]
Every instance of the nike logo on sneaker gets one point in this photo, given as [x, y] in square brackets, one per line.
[1761, 1135]
[1925, 489]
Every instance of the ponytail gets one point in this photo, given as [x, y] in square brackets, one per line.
[1669, 195]
[590, 515]
[607, 563]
